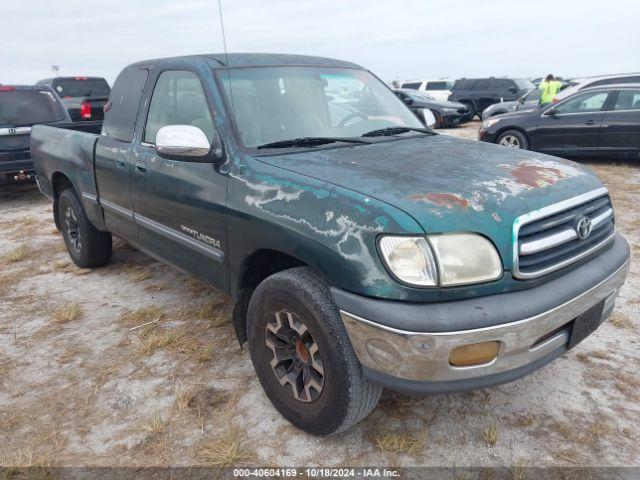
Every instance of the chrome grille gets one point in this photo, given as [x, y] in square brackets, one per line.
[548, 239]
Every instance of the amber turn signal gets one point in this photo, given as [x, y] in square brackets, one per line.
[474, 354]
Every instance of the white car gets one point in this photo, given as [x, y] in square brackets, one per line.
[439, 89]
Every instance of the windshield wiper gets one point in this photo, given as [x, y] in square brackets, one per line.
[309, 142]
[395, 130]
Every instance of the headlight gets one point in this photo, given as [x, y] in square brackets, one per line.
[465, 258]
[446, 259]
[410, 259]
[490, 122]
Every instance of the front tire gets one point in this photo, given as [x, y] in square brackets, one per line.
[513, 139]
[87, 246]
[303, 357]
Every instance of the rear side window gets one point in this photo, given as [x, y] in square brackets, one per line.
[463, 84]
[81, 87]
[28, 107]
[439, 85]
[628, 100]
[412, 85]
[502, 84]
[124, 101]
[482, 84]
[178, 99]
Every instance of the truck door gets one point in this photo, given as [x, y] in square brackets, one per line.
[114, 150]
[179, 206]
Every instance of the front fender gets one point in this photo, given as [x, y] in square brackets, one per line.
[328, 227]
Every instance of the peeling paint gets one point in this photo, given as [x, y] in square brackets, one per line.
[448, 200]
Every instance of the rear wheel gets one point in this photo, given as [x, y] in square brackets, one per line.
[87, 246]
[513, 139]
[303, 357]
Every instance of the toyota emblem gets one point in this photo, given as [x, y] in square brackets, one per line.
[583, 228]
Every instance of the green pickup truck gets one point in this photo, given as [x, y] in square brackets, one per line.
[362, 250]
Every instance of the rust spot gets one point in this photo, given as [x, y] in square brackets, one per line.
[448, 200]
[534, 176]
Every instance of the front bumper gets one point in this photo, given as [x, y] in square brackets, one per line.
[485, 136]
[532, 327]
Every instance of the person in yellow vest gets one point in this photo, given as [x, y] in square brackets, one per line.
[549, 89]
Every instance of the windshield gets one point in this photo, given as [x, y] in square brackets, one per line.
[28, 107]
[272, 104]
[524, 84]
[81, 87]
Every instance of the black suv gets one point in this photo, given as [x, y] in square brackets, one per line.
[478, 93]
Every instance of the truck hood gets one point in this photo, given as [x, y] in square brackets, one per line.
[448, 184]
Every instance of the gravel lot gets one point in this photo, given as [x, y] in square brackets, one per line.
[80, 385]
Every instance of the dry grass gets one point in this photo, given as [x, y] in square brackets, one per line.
[491, 435]
[140, 274]
[517, 472]
[206, 354]
[156, 424]
[226, 451]
[620, 320]
[184, 397]
[142, 315]
[628, 385]
[67, 313]
[405, 444]
[154, 288]
[154, 339]
[18, 254]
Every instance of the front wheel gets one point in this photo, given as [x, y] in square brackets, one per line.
[513, 139]
[87, 246]
[303, 357]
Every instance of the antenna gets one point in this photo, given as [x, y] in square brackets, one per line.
[226, 58]
[224, 37]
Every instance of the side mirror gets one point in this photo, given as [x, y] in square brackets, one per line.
[407, 100]
[187, 142]
[551, 112]
[513, 90]
[429, 118]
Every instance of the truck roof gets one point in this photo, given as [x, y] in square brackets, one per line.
[221, 60]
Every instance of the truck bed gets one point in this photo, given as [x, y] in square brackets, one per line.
[63, 155]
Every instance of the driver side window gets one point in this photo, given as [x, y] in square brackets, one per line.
[588, 102]
[178, 99]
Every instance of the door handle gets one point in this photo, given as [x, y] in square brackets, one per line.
[141, 168]
[121, 163]
[590, 122]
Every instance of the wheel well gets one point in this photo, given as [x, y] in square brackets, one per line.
[257, 267]
[59, 183]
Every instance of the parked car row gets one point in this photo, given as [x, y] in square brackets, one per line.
[72, 102]
[598, 120]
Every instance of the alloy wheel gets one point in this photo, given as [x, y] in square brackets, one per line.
[296, 361]
[510, 141]
[73, 232]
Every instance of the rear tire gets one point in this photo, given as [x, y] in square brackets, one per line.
[87, 246]
[513, 139]
[316, 382]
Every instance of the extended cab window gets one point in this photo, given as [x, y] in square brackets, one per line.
[122, 110]
[178, 99]
[412, 85]
[588, 102]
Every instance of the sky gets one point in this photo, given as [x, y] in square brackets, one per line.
[408, 39]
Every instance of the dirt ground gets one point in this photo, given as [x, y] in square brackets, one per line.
[83, 382]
